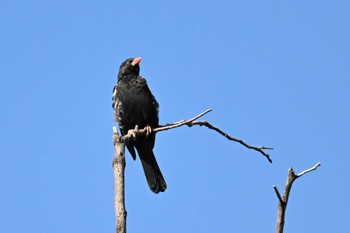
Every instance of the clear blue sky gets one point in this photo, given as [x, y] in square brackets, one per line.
[275, 73]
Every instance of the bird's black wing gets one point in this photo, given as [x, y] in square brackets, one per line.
[118, 117]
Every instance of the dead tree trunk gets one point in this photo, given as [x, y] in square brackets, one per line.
[283, 200]
[118, 168]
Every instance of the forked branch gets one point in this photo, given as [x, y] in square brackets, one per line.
[283, 200]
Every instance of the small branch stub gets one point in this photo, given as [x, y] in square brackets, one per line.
[278, 194]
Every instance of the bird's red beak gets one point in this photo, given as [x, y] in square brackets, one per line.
[136, 61]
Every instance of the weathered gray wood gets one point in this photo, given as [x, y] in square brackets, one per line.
[119, 168]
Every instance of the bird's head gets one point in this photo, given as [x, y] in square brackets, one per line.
[129, 66]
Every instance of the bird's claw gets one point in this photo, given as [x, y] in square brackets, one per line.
[133, 132]
[148, 130]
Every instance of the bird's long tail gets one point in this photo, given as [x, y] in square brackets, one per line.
[153, 174]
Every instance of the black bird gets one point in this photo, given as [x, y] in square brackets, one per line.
[134, 104]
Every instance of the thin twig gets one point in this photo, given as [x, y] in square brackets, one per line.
[308, 170]
[180, 123]
[210, 126]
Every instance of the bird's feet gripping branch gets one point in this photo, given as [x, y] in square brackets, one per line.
[134, 132]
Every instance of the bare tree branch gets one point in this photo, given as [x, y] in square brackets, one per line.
[210, 126]
[191, 122]
[283, 201]
[309, 170]
[181, 123]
